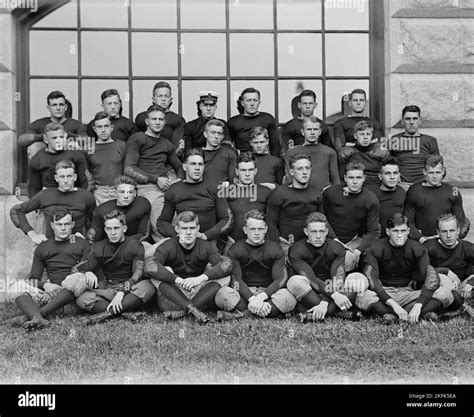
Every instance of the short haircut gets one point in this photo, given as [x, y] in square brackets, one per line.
[161, 84]
[116, 214]
[54, 95]
[432, 160]
[317, 217]
[446, 218]
[247, 156]
[296, 157]
[363, 125]
[249, 90]
[312, 119]
[397, 220]
[254, 214]
[412, 109]
[193, 152]
[101, 115]
[108, 93]
[354, 166]
[64, 164]
[125, 179]
[389, 161]
[59, 213]
[187, 216]
[215, 122]
[357, 91]
[53, 127]
[155, 107]
[257, 131]
[308, 93]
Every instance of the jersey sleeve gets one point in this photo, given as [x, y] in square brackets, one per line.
[273, 214]
[225, 220]
[163, 223]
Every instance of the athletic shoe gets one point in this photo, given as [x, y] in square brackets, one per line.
[354, 315]
[389, 318]
[448, 315]
[468, 310]
[305, 317]
[198, 315]
[19, 321]
[432, 316]
[99, 317]
[228, 315]
[134, 316]
[174, 315]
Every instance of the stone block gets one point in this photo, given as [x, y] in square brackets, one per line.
[7, 50]
[8, 161]
[7, 99]
[428, 4]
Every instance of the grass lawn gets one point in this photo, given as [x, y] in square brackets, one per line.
[156, 351]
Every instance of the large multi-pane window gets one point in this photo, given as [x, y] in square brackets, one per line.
[276, 46]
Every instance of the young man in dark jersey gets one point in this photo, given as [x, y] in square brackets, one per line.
[411, 148]
[58, 256]
[57, 107]
[390, 195]
[135, 208]
[430, 198]
[324, 169]
[250, 117]
[120, 258]
[194, 130]
[122, 127]
[259, 276]
[174, 128]
[453, 258]
[344, 128]
[291, 132]
[320, 284]
[353, 213]
[180, 271]
[79, 202]
[106, 162]
[198, 196]
[270, 169]
[366, 151]
[41, 169]
[289, 205]
[148, 160]
[390, 265]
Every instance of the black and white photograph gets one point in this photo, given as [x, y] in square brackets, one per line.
[253, 198]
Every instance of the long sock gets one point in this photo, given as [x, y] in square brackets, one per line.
[63, 298]
[241, 305]
[131, 302]
[333, 308]
[204, 299]
[100, 306]
[380, 309]
[457, 303]
[432, 305]
[310, 300]
[28, 306]
[173, 293]
[274, 312]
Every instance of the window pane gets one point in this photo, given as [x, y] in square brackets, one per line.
[39, 90]
[251, 14]
[154, 54]
[91, 91]
[251, 54]
[53, 53]
[143, 91]
[154, 14]
[267, 94]
[104, 13]
[346, 15]
[299, 54]
[336, 97]
[203, 54]
[97, 58]
[299, 14]
[289, 89]
[64, 16]
[191, 91]
[347, 54]
[206, 14]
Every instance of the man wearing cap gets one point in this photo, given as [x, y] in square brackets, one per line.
[194, 130]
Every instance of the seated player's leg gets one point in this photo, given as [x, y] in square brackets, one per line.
[96, 301]
[230, 304]
[300, 287]
[156, 198]
[204, 296]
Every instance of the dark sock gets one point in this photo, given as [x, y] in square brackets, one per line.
[28, 306]
[432, 305]
[204, 299]
[100, 306]
[380, 309]
[131, 302]
[174, 294]
[274, 312]
[241, 305]
[333, 308]
[457, 303]
[310, 300]
[63, 298]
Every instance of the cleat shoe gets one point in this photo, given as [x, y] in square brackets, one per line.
[389, 318]
[448, 315]
[36, 324]
[99, 317]
[468, 310]
[134, 316]
[18, 321]
[174, 315]
[305, 317]
[198, 315]
[432, 316]
[353, 315]
[228, 315]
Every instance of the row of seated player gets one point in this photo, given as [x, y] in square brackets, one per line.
[396, 277]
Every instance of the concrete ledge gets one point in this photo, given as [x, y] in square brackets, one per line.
[435, 69]
[442, 124]
[435, 13]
